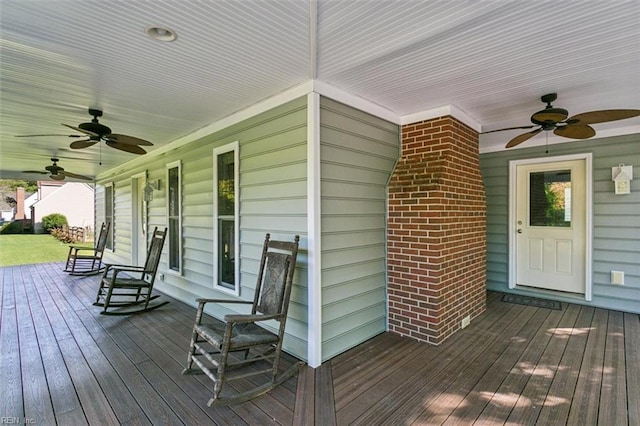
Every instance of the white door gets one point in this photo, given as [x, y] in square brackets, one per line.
[139, 221]
[550, 214]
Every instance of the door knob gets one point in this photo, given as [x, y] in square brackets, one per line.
[519, 231]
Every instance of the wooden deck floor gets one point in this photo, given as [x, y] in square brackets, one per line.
[63, 363]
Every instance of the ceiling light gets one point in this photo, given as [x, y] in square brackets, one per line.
[159, 33]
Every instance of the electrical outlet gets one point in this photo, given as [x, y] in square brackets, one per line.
[465, 321]
[617, 277]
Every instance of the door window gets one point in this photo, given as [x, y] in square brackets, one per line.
[550, 198]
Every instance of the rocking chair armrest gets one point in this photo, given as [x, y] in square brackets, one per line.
[127, 268]
[244, 318]
[75, 250]
[116, 269]
[202, 301]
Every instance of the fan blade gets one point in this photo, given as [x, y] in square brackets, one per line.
[42, 172]
[509, 128]
[603, 116]
[86, 143]
[523, 137]
[575, 131]
[57, 177]
[75, 176]
[134, 149]
[78, 129]
[127, 140]
[56, 134]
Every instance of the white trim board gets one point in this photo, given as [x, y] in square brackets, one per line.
[314, 277]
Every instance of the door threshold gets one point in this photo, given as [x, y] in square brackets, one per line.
[543, 291]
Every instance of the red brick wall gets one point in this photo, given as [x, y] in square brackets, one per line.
[436, 231]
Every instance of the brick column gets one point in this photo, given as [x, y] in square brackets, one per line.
[436, 232]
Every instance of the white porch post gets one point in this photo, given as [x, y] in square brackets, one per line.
[314, 337]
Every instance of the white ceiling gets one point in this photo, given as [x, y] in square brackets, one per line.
[489, 61]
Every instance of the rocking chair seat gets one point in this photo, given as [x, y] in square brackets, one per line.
[243, 336]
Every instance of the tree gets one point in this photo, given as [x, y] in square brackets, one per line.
[12, 184]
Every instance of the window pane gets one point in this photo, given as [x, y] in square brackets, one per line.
[550, 198]
[226, 250]
[173, 213]
[173, 192]
[174, 244]
[226, 192]
[108, 214]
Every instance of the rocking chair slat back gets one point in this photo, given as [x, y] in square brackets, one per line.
[153, 254]
[273, 285]
[101, 243]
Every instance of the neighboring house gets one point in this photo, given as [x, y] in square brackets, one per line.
[28, 202]
[72, 199]
[392, 214]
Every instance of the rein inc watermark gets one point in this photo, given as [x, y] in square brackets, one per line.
[17, 421]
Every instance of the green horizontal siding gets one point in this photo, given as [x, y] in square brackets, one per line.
[357, 155]
[272, 199]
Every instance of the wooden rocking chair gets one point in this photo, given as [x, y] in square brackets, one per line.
[212, 344]
[126, 286]
[88, 264]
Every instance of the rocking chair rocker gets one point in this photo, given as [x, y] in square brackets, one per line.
[88, 264]
[212, 344]
[125, 286]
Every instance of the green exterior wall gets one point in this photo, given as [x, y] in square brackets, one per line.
[273, 198]
[357, 156]
[616, 219]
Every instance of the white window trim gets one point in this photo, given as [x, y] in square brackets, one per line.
[168, 167]
[142, 213]
[234, 146]
[112, 240]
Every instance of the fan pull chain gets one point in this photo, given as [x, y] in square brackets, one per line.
[100, 151]
[546, 149]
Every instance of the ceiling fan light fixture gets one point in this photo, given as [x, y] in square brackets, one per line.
[160, 33]
[95, 127]
[554, 115]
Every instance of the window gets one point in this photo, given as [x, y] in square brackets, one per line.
[174, 210]
[550, 198]
[109, 214]
[226, 207]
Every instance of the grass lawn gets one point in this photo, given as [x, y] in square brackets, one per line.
[24, 249]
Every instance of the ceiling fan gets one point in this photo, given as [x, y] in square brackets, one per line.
[56, 172]
[575, 127]
[96, 132]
